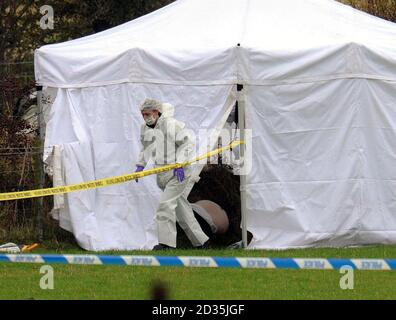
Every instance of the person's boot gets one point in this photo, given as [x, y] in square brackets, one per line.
[206, 245]
[162, 246]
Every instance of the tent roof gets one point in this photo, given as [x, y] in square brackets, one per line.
[195, 42]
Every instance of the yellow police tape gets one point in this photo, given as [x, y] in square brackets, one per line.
[108, 181]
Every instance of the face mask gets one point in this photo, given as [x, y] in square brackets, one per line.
[150, 120]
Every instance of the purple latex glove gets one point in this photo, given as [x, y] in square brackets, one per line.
[138, 169]
[179, 173]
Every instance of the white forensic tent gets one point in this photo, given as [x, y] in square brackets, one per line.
[320, 88]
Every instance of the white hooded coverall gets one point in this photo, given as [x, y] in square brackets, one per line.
[169, 142]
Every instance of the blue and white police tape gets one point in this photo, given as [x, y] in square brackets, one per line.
[211, 262]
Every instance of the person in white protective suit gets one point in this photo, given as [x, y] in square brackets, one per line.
[168, 141]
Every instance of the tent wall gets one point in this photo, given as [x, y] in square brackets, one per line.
[323, 168]
[97, 133]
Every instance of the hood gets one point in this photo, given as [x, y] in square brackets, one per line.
[168, 110]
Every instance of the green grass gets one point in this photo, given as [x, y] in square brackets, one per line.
[21, 281]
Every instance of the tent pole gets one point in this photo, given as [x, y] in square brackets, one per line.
[242, 175]
[40, 165]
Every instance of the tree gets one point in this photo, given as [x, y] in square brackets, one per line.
[385, 9]
[20, 31]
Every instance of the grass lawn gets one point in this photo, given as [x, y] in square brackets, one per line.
[21, 281]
